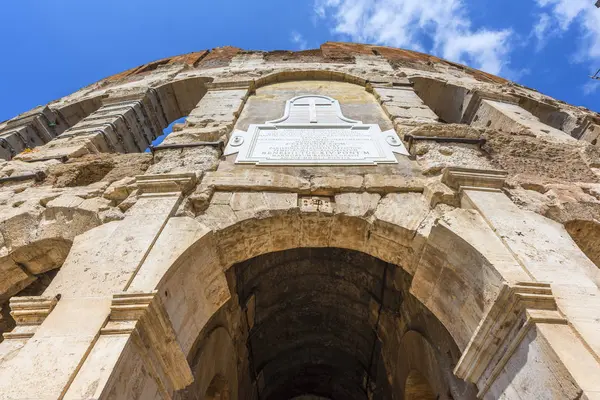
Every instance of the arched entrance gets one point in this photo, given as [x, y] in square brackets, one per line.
[218, 389]
[322, 323]
[417, 387]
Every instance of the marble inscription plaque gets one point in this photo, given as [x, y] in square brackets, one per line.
[308, 145]
[322, 137]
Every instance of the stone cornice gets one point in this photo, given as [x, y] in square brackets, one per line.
[29, 312]
[166, 183]
[143, 316]
[462, 178]
[231, 85]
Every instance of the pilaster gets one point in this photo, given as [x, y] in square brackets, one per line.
[84, 326]
[139, 327]
[535, 329]
[517, 309]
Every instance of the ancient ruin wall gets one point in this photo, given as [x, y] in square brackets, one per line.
[501, 187]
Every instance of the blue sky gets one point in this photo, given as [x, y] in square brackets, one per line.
[52, 48]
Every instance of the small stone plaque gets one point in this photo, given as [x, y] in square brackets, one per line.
[315, 203]
[325, 138]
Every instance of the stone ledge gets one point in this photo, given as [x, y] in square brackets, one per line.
[29, 312]
[457, 178]
[166, 183]
[231, 85]
[257, 181]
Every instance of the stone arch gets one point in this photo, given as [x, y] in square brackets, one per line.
[41, 125]
[189, 267]
[447, 100]
[357, 99]
[54, 227]
[277, 230]
[586, 234]
[179, 97]
[417, 387]
[31, 260]
[185, 281]
[427, 374]
[130, 119]
[218, 389]
[214, 365]
[309, 75]
[200, 277]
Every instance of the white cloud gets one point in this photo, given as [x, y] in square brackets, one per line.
[299, 40]
[542, 30]
[414, 23]
[591, 87]
[582, 14]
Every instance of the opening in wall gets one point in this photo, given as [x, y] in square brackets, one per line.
[586, 234]
[166, 133]
[417, 387]
[218, 389]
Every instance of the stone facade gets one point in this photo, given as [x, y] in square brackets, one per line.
[469, 269]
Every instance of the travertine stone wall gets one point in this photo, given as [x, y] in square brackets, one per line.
[213, 117]
[41, 125]
[513, 119]
[465, 270]
[403, 106]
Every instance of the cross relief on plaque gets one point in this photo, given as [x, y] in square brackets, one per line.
[313, 131]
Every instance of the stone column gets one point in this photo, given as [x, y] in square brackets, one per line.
[68, 341]
[539, 339]
[139, 338]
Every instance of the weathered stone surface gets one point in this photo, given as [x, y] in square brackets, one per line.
[194, 159]
[179, 274]
[403, 106]
[511, 118]
[436, 192]
[392, 183]
[399, 215]
[357, 205]
[255, 180]
[120, 190]
[336, 184]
